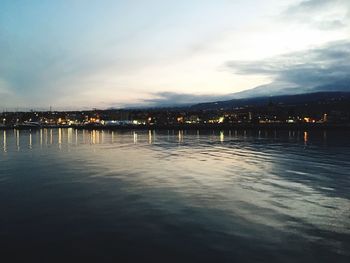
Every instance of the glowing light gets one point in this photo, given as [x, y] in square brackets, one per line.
[325, 117]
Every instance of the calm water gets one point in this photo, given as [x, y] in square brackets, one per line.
[170, 196]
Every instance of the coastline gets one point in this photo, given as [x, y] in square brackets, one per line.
[236, 126]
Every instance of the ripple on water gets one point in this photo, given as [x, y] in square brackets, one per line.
[272, 196]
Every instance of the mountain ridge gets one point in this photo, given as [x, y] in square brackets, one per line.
[295, 99]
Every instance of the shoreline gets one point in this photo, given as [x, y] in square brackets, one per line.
[270, 126]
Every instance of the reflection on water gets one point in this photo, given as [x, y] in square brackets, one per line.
[17, 139]
[175, 196]
[222, 136]
[59, 137]
[5, 142]
[72, 136]
[305, 137]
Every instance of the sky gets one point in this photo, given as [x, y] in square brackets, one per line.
[81, 54]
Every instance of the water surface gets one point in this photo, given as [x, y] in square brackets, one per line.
[174, 196]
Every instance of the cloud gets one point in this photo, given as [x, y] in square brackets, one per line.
[323, 68]
[169, 99]
[75, 55]
[4, 87]
[331, 24]
[321, 14]
[311, 6]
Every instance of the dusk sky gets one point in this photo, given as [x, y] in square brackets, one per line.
[83, 54]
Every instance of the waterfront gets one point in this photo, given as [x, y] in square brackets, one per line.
[175, 196]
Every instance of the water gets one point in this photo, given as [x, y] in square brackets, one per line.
[174, 196]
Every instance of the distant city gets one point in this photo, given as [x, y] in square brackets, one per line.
[312, 110]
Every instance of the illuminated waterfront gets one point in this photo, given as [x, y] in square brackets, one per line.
[175, 196]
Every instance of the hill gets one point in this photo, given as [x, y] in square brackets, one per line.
[291, 100]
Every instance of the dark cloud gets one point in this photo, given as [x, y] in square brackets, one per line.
[324, 68]
[169, 99]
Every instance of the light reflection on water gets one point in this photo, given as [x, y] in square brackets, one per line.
[252, 196]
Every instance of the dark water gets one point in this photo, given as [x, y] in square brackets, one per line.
[170, 196]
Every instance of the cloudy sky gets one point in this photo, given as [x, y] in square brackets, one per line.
[101, 53]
